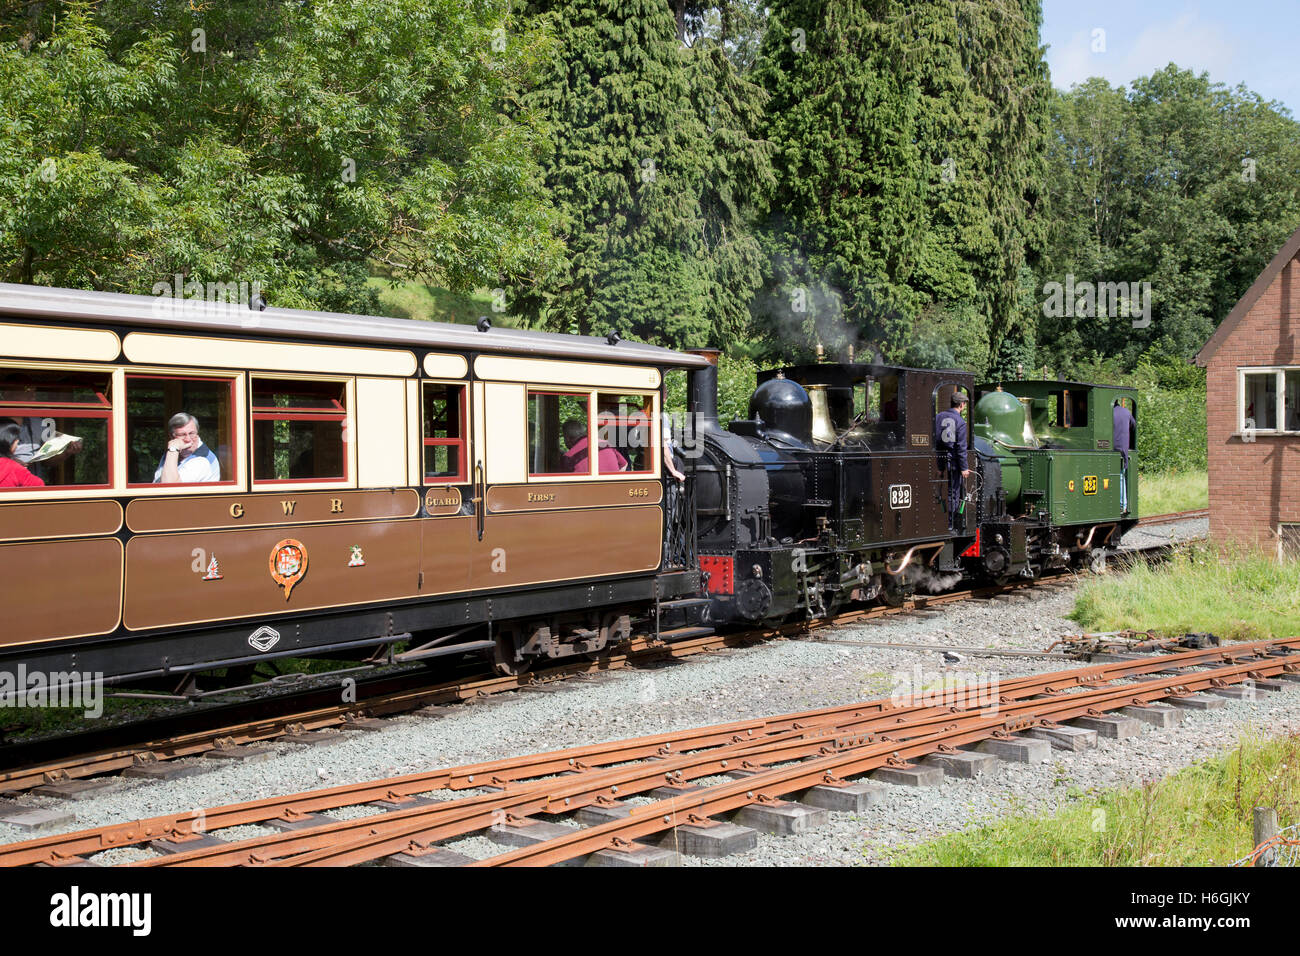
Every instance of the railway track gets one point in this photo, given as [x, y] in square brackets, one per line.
[776, 758]
[1175, 516]
[80, 758]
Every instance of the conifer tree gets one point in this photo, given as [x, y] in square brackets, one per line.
[909, 139]
[652, 151]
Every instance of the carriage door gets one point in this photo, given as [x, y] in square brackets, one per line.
[446, 470]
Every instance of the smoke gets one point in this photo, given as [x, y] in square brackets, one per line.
[933, 582]
[803, 306]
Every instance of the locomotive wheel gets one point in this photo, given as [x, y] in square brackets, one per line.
[893, 597]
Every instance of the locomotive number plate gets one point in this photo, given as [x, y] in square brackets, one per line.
[1089, 484]
[900, 496]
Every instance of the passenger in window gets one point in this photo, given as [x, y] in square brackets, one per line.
[187, 460]
[32, 436]
[575, 440]
[609, 458]
[12, 473]
[576, 458]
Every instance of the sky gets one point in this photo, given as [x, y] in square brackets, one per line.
[1248, 41]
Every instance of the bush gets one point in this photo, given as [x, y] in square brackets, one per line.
[1171, 430]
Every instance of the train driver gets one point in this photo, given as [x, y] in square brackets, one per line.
[950, 449]
[187, 459]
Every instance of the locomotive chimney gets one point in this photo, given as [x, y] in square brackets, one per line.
[702, 392]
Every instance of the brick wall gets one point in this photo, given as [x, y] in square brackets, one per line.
[1254, 486]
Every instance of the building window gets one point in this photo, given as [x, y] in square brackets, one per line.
[558, 427]
[299, 430]
[624, 424]
[444, 433]
[1289, 540]
[64, 422]
[195, 412]
[1269, 401]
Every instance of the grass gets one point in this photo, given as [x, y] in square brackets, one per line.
[1237, 595]
[1200, 816]
[1165, 493]
[19, 723]
[30, 722]
[415, 300]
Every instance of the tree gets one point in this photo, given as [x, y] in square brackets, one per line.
[1177, 182]
[281, 142]
[653, 156]
[908, 141]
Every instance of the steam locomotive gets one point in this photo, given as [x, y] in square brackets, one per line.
[830, 491]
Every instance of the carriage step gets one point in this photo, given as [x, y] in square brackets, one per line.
[685, 612]
[683, 633]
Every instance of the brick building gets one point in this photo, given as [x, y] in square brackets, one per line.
[1252, 364]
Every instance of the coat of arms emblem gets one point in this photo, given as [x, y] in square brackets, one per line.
[288, 564]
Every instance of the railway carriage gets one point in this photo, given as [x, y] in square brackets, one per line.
[379, 481]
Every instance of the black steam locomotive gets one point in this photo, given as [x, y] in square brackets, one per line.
[830, 492]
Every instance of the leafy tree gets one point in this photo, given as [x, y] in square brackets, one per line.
[276, 141]
[1176, 181]
[735, 25]
[908, 141]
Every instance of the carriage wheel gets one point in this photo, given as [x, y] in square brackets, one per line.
[503, 657]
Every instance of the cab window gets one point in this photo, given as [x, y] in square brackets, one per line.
[64, 424]
[299, 430]
[155, 407]
[1070, 408]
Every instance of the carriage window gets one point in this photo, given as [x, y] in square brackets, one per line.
[63, 424]
[623, 424]
[194, 413]
[299, 430]
[557, 433]
[444, 432]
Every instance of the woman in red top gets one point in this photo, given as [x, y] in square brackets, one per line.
[13, 474]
